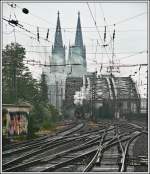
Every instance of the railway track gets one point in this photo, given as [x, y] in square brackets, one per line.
[114, 157]
[42, 140]
[12, 158]
[104, 148]
[67, 126]
[31, 148]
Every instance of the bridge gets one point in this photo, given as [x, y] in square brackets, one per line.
[109, 95]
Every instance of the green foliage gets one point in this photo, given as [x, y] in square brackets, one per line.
[20, 138]
[43, 116]
[18, 83]
[19, 86]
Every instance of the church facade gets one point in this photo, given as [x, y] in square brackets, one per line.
[63, 70]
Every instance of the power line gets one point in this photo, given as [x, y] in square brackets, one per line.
[102, 26]
[33, 62]
[96, 27]
[106, 23]
[21, 27]
[130, 18]
[38, 17]
[138, 52]
[92, 31]
[141, 52]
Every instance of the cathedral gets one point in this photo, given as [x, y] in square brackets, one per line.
[105, 95]
[64, 70]
[77, 54]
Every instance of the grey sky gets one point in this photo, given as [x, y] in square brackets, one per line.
[131, 35]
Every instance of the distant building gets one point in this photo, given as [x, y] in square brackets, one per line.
[77, 68]
[77, 54]
[56, 74]
[67, 80]
[61, 71]
[73, 84]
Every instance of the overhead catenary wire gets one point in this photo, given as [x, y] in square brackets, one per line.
[116, 22]
[140, 52]
[123, 19]
[106, 23]
[135, 53]
[102, 26]
[21, 27]
[33, 62]
[36, 16]
[130, 18]
[96, 28]
[22, 32]
[17, 24]
[110, 53]
[92, 31]
[143, 51]
[38, 63]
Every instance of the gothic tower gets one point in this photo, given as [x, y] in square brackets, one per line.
[58, 50]
[56, 77]
[77, 54]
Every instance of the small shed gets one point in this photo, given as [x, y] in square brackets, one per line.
[15, 119]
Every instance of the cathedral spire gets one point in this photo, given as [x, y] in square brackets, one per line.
[78, 38]
[58, 36]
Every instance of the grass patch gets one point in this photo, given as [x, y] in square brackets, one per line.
[19, 138]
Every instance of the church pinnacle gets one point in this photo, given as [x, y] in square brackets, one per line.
[58, 36]
[78, 38]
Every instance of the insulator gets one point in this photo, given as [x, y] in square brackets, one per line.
[47, 34]
[13, 5]
[104, 37]
[114, 35]
[15, 22]
[105, 45]
[105, 34]
[38, 36]
[25, 10]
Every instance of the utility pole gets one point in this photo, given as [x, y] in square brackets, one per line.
[93, 95]
[147, 120]
[57, 96]
[61, 98]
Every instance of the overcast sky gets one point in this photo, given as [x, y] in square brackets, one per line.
[131, 31]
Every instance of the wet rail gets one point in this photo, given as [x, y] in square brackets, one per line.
[67, 126]
[80, 149]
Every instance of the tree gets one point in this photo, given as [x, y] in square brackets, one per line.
[19, 86]
[17, 81]
[12, 67]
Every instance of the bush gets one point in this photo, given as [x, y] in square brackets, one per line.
[43, 116]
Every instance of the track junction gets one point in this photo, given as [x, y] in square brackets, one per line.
[80, 147]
